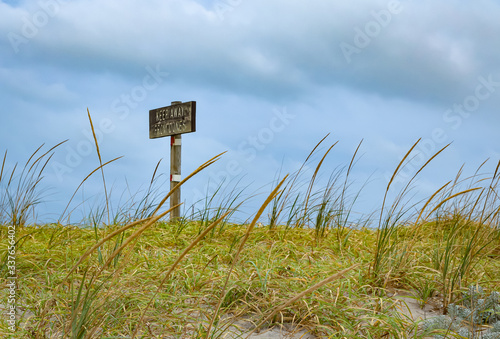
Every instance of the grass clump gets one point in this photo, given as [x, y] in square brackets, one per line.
[21, 189]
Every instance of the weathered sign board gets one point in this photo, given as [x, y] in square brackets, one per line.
[179, 118]
[173, 120]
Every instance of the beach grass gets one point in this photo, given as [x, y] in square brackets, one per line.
[270, 272]
[206, 276]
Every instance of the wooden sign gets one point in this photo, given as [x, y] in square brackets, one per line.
[179, 118]
[173, 120]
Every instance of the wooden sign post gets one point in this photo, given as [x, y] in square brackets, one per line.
[174, 120]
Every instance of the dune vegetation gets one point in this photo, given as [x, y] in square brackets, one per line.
[299, 261]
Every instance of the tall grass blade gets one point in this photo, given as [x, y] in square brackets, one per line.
[81, 184]
[101, 166]
[3, 165]
[303, 221]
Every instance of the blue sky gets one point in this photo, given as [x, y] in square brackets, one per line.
[270, 78]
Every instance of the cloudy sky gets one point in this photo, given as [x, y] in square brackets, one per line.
[270, 78]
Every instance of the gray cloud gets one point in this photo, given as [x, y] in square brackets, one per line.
[405, 71]
[426, 51]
